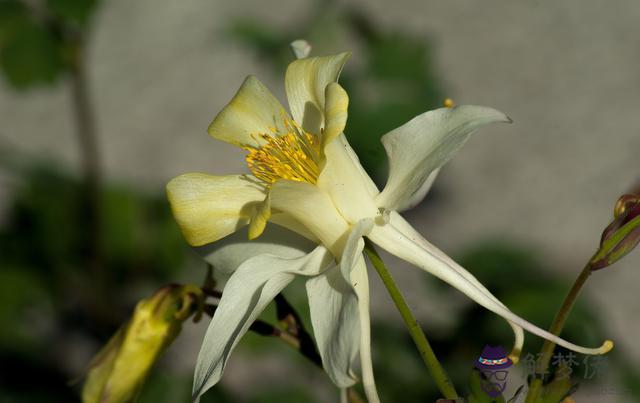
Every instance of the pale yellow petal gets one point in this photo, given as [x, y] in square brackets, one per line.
[286, 221]
[312, 208]
[349, 187]
[209, 207]
[259, 217]
[305, 83]
[335, 112]
[252, 111]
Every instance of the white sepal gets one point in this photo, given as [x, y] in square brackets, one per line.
[334, 317]
[229, 253]
[354, 268]
[251, 287]
[398, 244]
[424, 144]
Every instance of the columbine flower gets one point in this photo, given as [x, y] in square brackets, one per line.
[307, 179]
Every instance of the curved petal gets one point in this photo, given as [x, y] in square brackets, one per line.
[227, 254]
[209, 207]
[305, 83]
[334, 316]
[398, 222]
[335, 112]
[253, 285]
[366, 179]
[354, 269]
[396, 243]
[260, 215]
[313, 208]
[345, 181]
[424, 144]
[360, 281]
[419, 194]
[251, 112]
[290, 223]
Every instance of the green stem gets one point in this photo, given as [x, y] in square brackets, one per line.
[89, 152]
[556, 327]
[426, 352]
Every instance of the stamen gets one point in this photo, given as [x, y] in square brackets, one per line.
[448, 103]
[293, 156]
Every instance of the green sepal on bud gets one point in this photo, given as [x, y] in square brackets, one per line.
[118, 371]
[622, 235]
[561, 387]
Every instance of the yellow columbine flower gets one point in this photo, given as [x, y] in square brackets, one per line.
[307, 179]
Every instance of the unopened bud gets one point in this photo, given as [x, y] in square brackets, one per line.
[301, 48]
[118, 371]
[622, 235]
[624, 203]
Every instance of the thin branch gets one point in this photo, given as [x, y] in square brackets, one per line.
[556, 327]
[89, 154]
[263, 328]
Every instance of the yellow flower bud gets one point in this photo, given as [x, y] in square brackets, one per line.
[118, 371]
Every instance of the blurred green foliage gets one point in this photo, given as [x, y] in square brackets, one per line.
[46, 290]
[37, 39]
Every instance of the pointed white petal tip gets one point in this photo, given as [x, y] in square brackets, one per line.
[487, 114]
[481, 115]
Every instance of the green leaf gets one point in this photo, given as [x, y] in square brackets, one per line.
[31, 55]
[13, 15]
[73, 11]
[398, 57]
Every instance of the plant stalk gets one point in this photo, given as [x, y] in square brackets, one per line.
[89, 152]
[436, 370]
[556, 327]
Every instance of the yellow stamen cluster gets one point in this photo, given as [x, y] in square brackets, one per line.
[294, 156]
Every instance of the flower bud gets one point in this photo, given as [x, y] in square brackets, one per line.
[117, 372]
[622, 235]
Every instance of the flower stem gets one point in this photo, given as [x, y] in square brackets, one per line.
[89, 153]
[426, 352]
[556, 327]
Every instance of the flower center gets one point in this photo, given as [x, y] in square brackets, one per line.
[294, 156]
